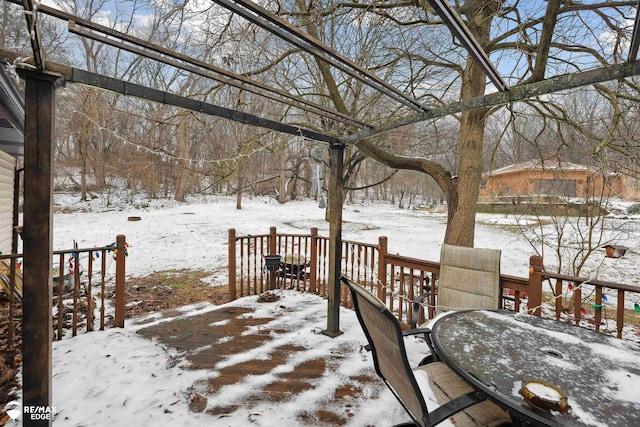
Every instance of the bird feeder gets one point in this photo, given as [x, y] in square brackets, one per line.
[615, 251]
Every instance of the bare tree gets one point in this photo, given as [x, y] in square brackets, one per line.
[404, 43]
[527, 38]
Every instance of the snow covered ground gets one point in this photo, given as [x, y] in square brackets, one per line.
[193, 235]
[118, 378]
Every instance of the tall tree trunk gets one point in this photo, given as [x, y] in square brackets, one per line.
[240, 184]
[463, 204]
[282, 187]
[99, 168]
[83, 177]
[182, 176]
[239, 192]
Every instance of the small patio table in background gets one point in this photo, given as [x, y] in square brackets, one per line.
[294, 266]
[495, 351]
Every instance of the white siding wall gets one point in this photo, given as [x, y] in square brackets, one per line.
[7, 169]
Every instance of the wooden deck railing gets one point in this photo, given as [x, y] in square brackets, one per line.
[248, 273]
[585, 301]
[74, 291]
[398, 279]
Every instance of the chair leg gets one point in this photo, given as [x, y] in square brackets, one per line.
[434, 358]
[427, 359]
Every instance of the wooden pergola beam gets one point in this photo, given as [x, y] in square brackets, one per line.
[272, 23]
[143, 92]
[516, 93]
[236, 80]
[34, 33]
[145, 48]
[635, 37]
[75, 75]
[457, 27]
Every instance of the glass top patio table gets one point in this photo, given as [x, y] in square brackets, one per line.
[495, 351]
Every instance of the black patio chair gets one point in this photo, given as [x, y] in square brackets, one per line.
[456, 398]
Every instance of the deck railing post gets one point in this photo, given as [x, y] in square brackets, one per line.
[382, 268]
[273, 241]
[121, 247]
[620, 313]
[597, 313]
[558, 297]
[534, 292]
[313, 262]
[89, 292]
[577, 304]
[14, 250]
[232, 264]
[12, 290]
[61, 292]
[74, 270]
[273, 249]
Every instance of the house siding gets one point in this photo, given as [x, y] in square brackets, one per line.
[7, 170]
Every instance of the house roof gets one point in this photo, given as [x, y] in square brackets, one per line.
[11, 115]
[538, 164]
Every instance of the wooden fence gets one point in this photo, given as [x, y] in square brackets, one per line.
[74, 286]
[398, 279]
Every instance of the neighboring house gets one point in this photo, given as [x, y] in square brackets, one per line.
[538, 178]
[11, 152]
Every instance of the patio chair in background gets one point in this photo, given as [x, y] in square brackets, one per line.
[457, 399]
[469, 279]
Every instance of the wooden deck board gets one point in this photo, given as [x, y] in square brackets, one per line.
[207, 341]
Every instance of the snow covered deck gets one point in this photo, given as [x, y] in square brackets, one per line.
[256, 359]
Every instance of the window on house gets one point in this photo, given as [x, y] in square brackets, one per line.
[555, 187]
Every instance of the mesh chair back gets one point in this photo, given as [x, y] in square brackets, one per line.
[387, 348]
[469, 278]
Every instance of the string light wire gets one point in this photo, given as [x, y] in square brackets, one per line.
[162, 153]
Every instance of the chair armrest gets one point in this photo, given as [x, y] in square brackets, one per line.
[408, 333]
[426, 333]
[454, 406]
[417, 304]
[416, 331]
